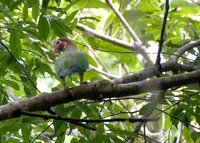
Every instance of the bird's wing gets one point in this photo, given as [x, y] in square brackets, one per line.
[76, 59]
[71, 62]
[82, 61]
[57, 65]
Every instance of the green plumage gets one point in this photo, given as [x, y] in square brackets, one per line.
[70, 62]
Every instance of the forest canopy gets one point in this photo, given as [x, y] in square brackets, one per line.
[142, 84]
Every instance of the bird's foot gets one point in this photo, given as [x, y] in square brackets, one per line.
[65, 88]
[85, 82]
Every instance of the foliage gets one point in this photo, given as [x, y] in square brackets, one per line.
[29, 28]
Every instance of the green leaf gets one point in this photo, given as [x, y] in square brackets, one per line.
[45, 3]
[60, 28]
[43, 27]
[32, 32]
[5, 61]
[58, 2]
[25, 12]
[29, 89]
[69, 18]
[26, 132]
[35, 11]
[195, 136]
[15, 43]
[43, 67]
[10, 83]
[74, 140]
[92, 4]
[148, 7]
[84, 108]
[60, 128]
[145, 108]
[187, 136]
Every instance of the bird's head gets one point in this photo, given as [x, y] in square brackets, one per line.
[63, 44]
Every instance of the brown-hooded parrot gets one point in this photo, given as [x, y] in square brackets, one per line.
[70, 61]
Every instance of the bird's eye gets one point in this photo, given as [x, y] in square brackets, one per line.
[57, 42]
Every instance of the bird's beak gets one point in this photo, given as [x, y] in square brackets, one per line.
[55, 49]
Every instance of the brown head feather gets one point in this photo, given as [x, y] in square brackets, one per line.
[63, 44]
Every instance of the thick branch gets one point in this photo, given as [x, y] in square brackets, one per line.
[171, 64]
[95, 91]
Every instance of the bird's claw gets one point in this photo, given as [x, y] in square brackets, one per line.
[65, 88]
[85, 82]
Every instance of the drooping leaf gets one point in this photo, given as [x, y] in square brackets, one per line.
[29, 88]
[35, 11]
[25, 12]
[195, 136]
[84, 108]
[10, 83]
[43, 27]
[58, 28]
[45, 3]
[26, 132]
[15, 43]
[5, 60]
[60, 129]
[43, 67]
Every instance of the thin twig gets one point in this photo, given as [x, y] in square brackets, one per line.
[176, 118]
[162, 33]
[41, 133]
[149, 111]
[57, 117]
[183, 49]
[76, 120]
[128, 112]
[104, 73]
[145, 140]
[180, 101]
[148, 53]
[124, 22]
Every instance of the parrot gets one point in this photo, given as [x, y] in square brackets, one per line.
[70, 61]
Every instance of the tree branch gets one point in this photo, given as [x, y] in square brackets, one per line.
[124, 22]
[183, 49]
[95, 91]
[136, 47]
[103, 73]
[171, 64]
[76, 120]
[57, 117]
[161, 93]
[162, 33]
[106, 37]
[137, 42]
